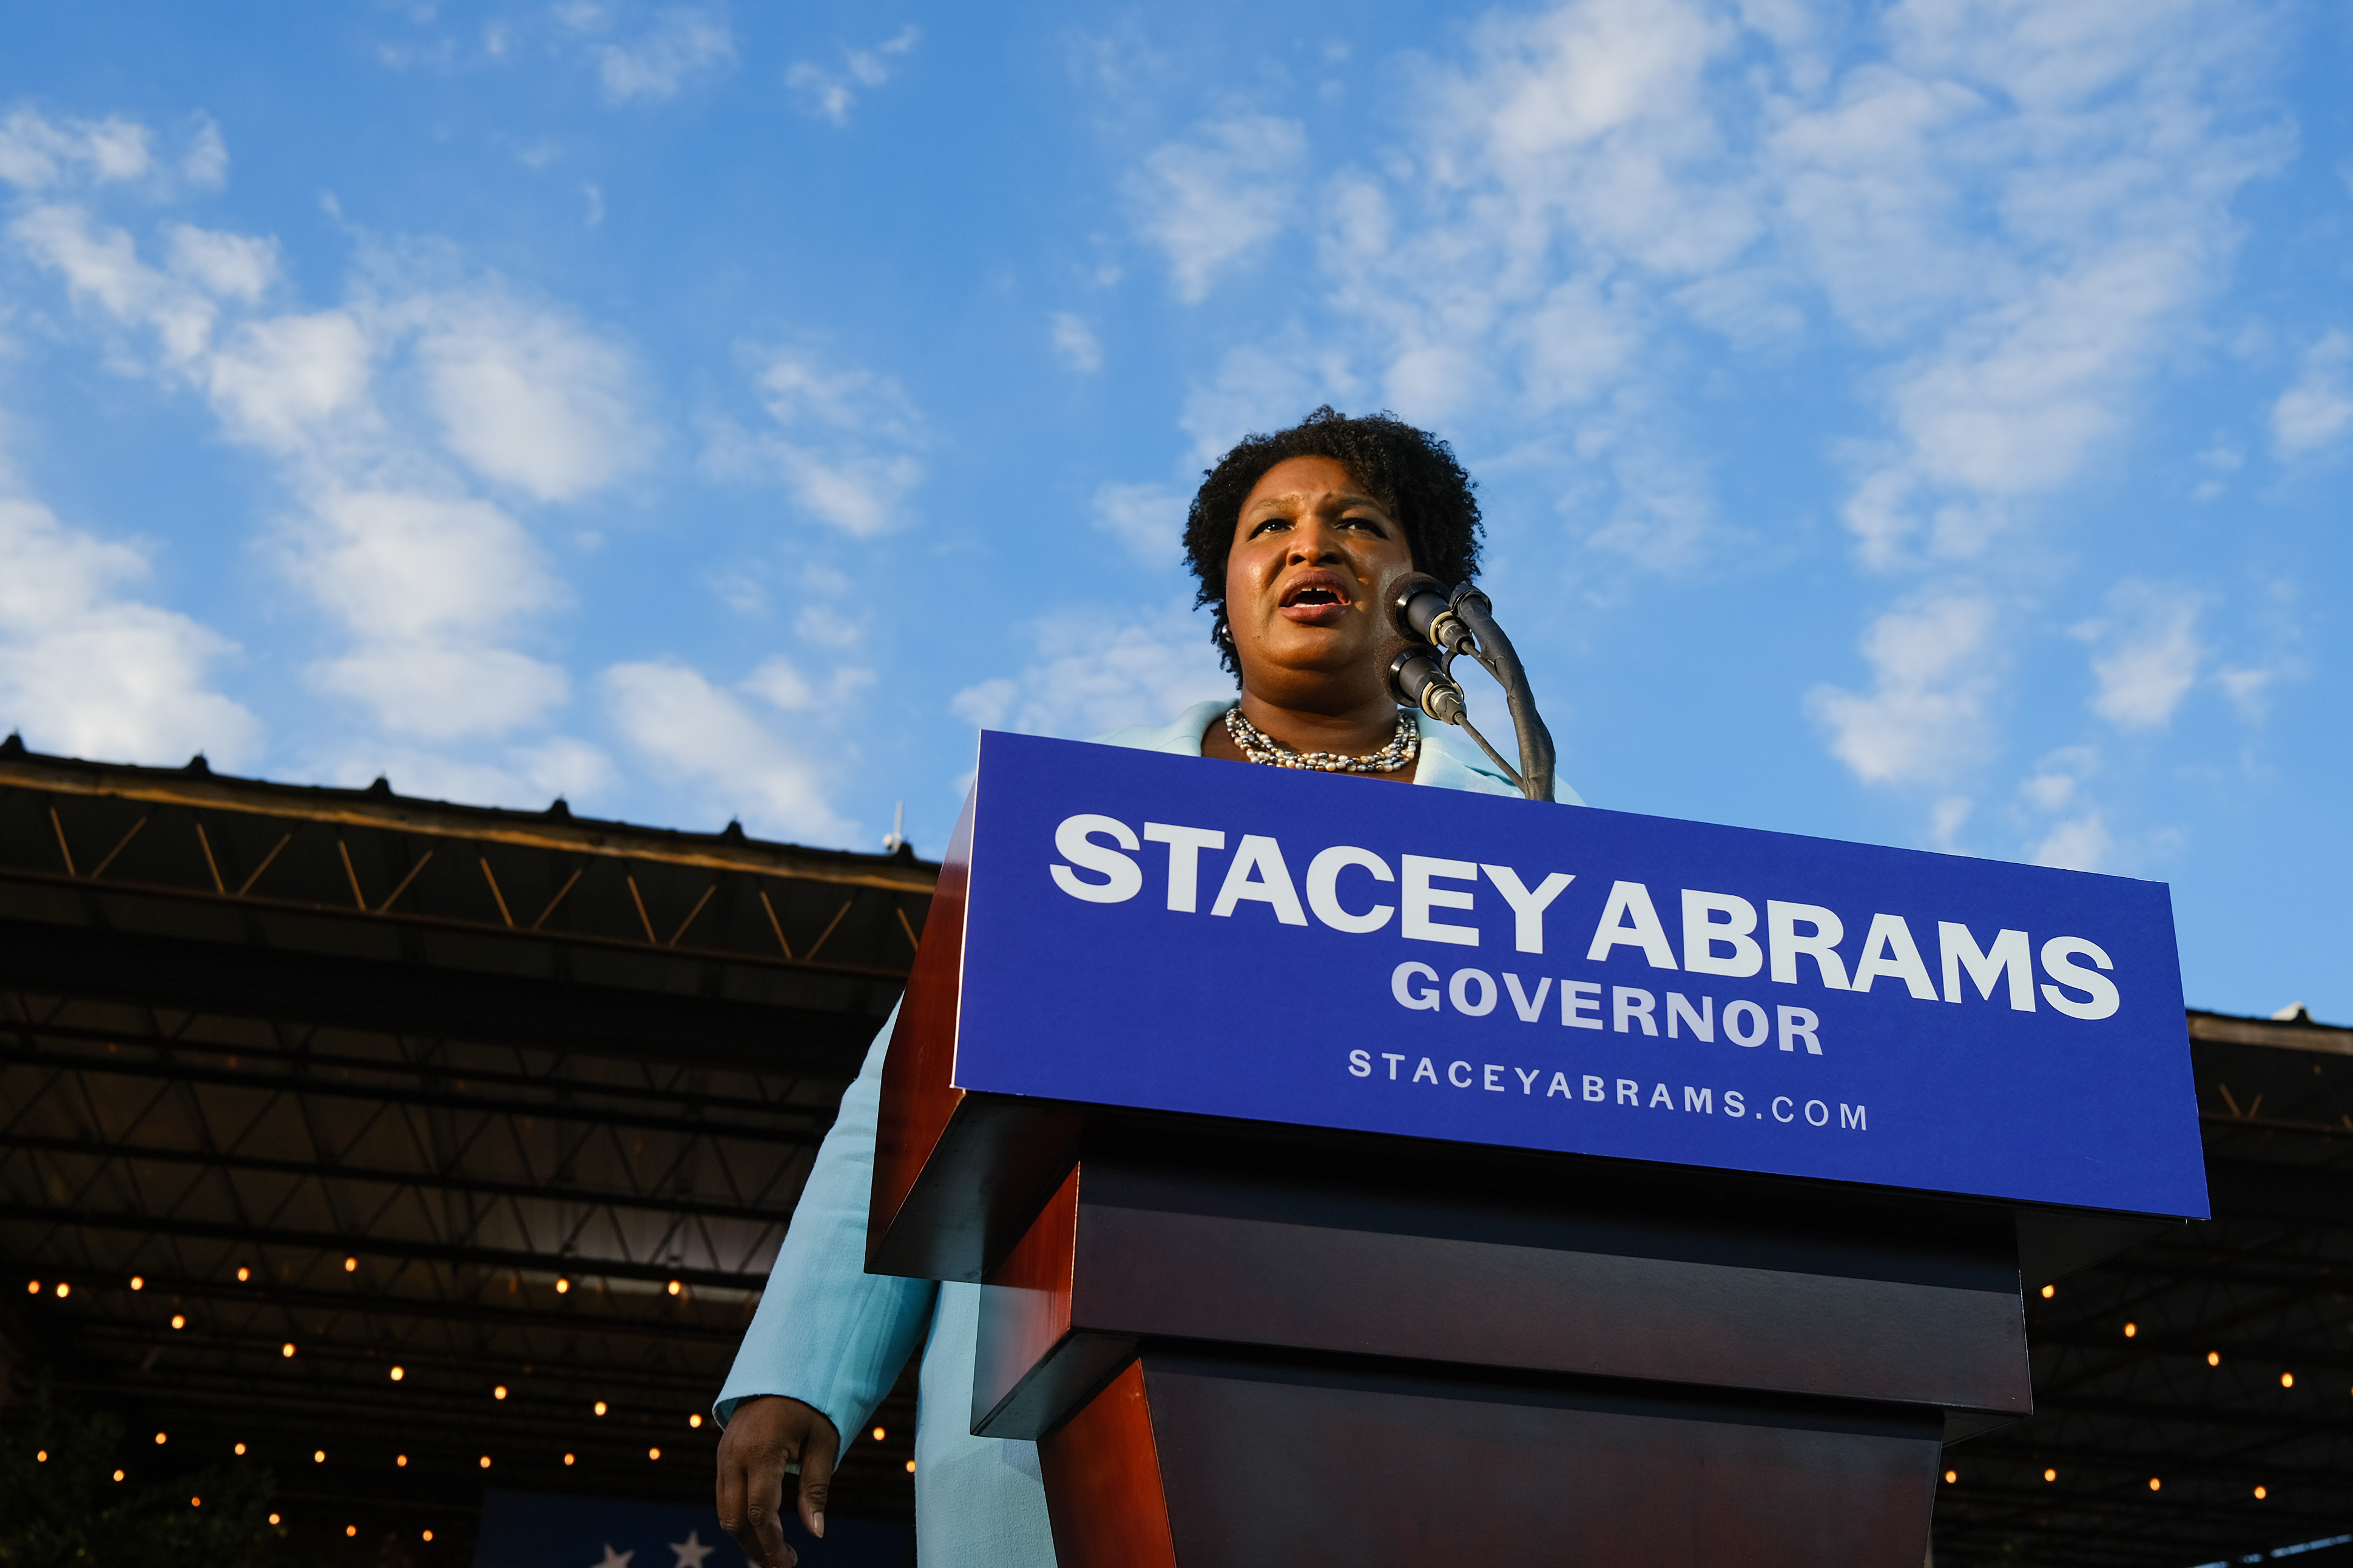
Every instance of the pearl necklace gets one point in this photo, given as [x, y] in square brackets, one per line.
[1259, 746]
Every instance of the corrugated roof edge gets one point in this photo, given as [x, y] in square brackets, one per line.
[195, 785]
[2298, 1035]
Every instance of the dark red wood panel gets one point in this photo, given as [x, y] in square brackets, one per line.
[919, 1094]
[1103, 1483]
[1265, 1465]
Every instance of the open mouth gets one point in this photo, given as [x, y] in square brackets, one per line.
[1321, 599]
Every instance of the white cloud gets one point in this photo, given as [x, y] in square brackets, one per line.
[102, 266]
[2318, 408]
[2146, 654]
[2080, 844]
[1095, 671]
[527, 399]
[401, 566]
[698, 734]
[1075, 342]
[445, 691]
[283, 383]
[86, 672]
[844, 442]
[228, 266]
[682, 43]
[1149, 519]
[36, 154]
[830, 94]
[1924, 715]
[1208, 202]
[1259, 389]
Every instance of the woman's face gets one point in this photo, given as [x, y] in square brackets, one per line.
[1305, 586]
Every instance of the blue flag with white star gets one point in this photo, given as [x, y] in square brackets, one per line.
[543, 1529]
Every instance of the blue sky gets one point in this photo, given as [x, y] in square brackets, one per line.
[1927, 423]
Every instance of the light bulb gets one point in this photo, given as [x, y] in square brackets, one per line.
[64, 1288]
[695, 1419]
[500, 1392]
[400, 1461]
[398, 1373]
[2131, 1329]
[138, 1282]
[674, 1287]
[240, 1449]
[878, 1434]
[2261, 1494]
[600, 1407]
[319, 1456]
[179, 1322]
[653, 1453]
[160, 1438]
[910, 1467]
[1952, 1477]
[567, 1459]
[2049, 1475]
[273, 1519]
[350, 1264]
[428, 1535]
[561, 1286]
[243, 1274]
[2213, 1358]
[486, 1461]
[286, 1349]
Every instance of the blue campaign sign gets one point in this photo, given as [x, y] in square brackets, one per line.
[1165, 932]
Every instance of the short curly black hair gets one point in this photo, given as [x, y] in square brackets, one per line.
[1410, 472]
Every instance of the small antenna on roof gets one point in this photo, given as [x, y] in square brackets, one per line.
[898, 835]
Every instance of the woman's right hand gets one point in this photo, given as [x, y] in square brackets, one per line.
[764, 1435]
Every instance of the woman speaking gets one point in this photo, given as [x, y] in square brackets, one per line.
[1296, 538]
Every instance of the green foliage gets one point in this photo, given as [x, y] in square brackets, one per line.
[67, 1511]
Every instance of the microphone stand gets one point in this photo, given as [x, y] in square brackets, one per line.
[1459, 623]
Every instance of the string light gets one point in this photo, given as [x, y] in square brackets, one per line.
[196, 1502]
[2048, 1291]
[695, 1419]
[319, 1458]
[500, 1392]
[2261, 1494]
[64, 1288]
[428, 1535]
[2213, 1358]
[240, 1450]
[398, 1373]
[567, 1459]
[161, 1438]
[2287, 1380]
[600, 1407]
[878, 1434]
[243, 1274]
[138, 1282]
[179, 1322]
[486, 1461]
[400, 1461]
[2154, 1484]
[1952, 1477]
[42, 1457]
[675, 1287]
[286, 1349]
[33, 1288]
[2049, 1475]
[117, 1474]
[2131, 1329]
[351, 1264]
[653, 1453]
[273, 1519]
[561, 1286]
[910, 1467]
[351, 1529]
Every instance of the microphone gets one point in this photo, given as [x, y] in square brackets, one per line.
[1424, 612]
[1416, 682]
[1441, 625]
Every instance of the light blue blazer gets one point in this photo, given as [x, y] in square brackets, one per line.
[835, 1337]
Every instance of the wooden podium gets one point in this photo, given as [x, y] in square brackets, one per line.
[1246, 1342]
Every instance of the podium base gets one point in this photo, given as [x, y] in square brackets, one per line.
[1191, 1461]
